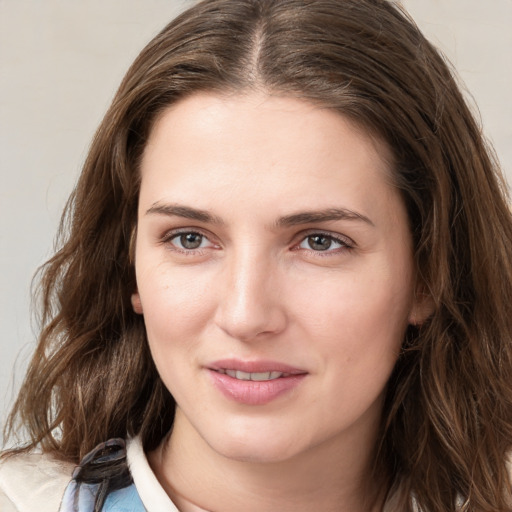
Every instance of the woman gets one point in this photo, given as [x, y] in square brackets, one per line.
[285, 282]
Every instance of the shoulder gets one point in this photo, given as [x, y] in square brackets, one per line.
[33, 481]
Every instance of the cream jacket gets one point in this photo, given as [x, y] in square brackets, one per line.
[35, 482]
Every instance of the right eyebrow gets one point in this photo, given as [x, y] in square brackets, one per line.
[186, 212]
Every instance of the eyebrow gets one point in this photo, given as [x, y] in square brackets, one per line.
[175, 210]
[326, 215]
[307, 217]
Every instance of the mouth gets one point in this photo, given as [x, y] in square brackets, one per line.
[256, 382]
[254, 376]
[255, 370]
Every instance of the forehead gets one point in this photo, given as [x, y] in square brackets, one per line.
[278, 148]
[208, 119]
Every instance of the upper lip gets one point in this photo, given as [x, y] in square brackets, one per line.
[259, 366]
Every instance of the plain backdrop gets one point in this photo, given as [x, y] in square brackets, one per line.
[60, 64]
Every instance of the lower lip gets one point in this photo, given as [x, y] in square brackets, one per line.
[251, 392]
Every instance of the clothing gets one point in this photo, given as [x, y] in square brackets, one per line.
[40, 482]
[36, 482]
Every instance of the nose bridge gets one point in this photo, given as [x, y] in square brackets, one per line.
[249, 305]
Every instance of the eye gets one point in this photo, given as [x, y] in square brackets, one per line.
[320, 242]
[188, 241]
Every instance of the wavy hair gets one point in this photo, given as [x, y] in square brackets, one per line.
[447, 420]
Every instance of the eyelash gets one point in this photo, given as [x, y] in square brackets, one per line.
[346, 244]
[168, 238]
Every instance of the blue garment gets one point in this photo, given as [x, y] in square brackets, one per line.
[102, 482]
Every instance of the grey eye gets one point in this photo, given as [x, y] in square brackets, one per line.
[190, 240]
[319, 242]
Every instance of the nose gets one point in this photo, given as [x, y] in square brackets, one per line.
[251, 304]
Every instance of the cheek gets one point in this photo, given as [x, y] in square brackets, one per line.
[176, 308]
[359, 317]
[176, 304]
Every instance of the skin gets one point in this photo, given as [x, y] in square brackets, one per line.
[256, 289]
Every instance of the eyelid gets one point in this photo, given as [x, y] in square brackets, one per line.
[169, 233]
[173, 233]
[338, 237]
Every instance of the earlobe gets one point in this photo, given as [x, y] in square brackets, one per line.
[423, 307]
[136, 303]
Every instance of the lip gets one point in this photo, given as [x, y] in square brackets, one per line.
[250, 392]
[255, 366]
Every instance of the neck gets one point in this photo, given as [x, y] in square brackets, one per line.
[326, 478]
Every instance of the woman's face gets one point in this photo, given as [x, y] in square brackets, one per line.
[274, 272]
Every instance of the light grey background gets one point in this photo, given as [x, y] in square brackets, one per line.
[60, 64]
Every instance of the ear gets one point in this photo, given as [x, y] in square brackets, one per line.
[423, 306]
[136, 303]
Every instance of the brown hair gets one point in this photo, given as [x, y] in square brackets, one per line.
[447, 423]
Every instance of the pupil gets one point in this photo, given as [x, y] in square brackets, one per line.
[191, 240]
[319, 242]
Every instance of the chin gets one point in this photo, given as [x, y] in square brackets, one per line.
[255, 445]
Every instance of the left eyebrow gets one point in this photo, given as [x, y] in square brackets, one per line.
[328, 214]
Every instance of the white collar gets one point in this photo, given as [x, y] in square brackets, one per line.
[152, 494]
